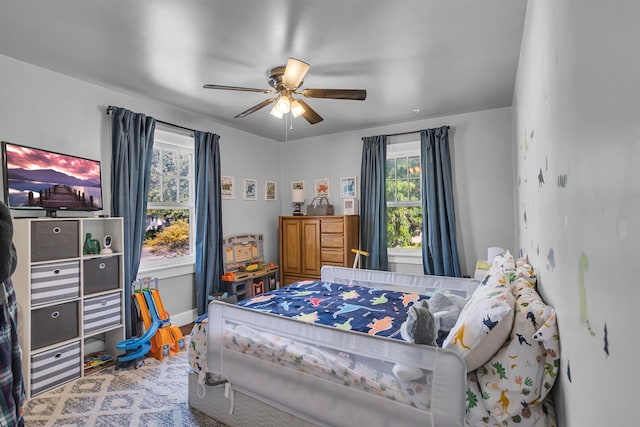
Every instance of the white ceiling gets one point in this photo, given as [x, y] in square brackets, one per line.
[416, 58]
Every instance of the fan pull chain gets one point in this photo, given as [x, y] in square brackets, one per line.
[286, 125]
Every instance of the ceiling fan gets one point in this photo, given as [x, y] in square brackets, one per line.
[286, 81]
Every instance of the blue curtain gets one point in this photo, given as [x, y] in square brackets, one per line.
[209, 261]
[373, 205]
[439, 248]
[132, 148]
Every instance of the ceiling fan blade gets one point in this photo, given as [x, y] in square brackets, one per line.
[242, 89]
[309, 113]
[354, 94]
[294, 73]
[255, 108]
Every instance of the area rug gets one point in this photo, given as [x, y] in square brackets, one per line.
[155, 394]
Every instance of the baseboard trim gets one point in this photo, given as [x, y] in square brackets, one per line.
[184, 318]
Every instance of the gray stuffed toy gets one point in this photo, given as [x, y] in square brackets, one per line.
[420, 326]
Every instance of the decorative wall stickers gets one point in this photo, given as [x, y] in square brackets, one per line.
[562, 180]
[568, 371]
[524, 216]
[540, 178]
[525, 144]
[584, 264]
[552, 260]
[606, 340]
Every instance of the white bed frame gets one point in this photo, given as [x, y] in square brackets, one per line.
[262, 393]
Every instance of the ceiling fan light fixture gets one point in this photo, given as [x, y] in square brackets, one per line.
[296, 108]
[275, 112]
[294, 73]
[283, 105]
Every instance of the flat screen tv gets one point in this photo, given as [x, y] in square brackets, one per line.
[40, 179]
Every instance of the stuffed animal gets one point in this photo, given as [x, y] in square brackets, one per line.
[451, 305]
[420, 326]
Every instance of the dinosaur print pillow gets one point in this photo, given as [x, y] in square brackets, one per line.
[511, 387]
[485, 321]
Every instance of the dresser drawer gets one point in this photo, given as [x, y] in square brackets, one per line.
[101, 274]
[54, 282]
[102, 312]
[335, 256]
[54, 367]
[53, 324]
[331, 240]
[332, 226]
[54, 240]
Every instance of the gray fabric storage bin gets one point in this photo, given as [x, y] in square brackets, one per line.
[102, 312]
[54, 367]
[53, 324]
[52, 240]
[101, 274]
[54, 282]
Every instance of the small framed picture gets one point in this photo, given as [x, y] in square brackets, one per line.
[348, 187]
[270, 190]
[321, 187]
[226, 182]
[250, 189]
[297, 185]
[350, 206]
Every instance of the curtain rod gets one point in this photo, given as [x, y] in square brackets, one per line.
[111, 107]
[407, 133]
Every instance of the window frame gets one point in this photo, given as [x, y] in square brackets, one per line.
[404, 149]
[172, 140]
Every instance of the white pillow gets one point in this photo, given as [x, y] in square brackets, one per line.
[485, 322]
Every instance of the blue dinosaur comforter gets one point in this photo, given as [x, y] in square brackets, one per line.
[374, 311]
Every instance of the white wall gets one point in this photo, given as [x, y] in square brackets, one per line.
[48, 110]
[577, 150]
[481, 153]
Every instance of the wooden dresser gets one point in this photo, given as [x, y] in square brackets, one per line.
[309, 242]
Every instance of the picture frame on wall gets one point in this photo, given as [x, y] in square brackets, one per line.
[348, 187]
[350, 206]
[297, 185]
[227, 190]
[250, 189]
[321, 187]
[270, 190]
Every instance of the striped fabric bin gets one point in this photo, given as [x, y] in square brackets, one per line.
[54, 367]
[102, 312]
[55, 282]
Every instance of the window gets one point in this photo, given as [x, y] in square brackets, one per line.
[169, 233]
[404, 195]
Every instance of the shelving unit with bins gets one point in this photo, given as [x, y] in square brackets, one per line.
[70, 304]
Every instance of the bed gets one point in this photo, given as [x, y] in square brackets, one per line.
[270, 367]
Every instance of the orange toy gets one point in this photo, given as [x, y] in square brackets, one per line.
[168, 339]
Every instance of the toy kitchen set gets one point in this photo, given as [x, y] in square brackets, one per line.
[245, 273]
